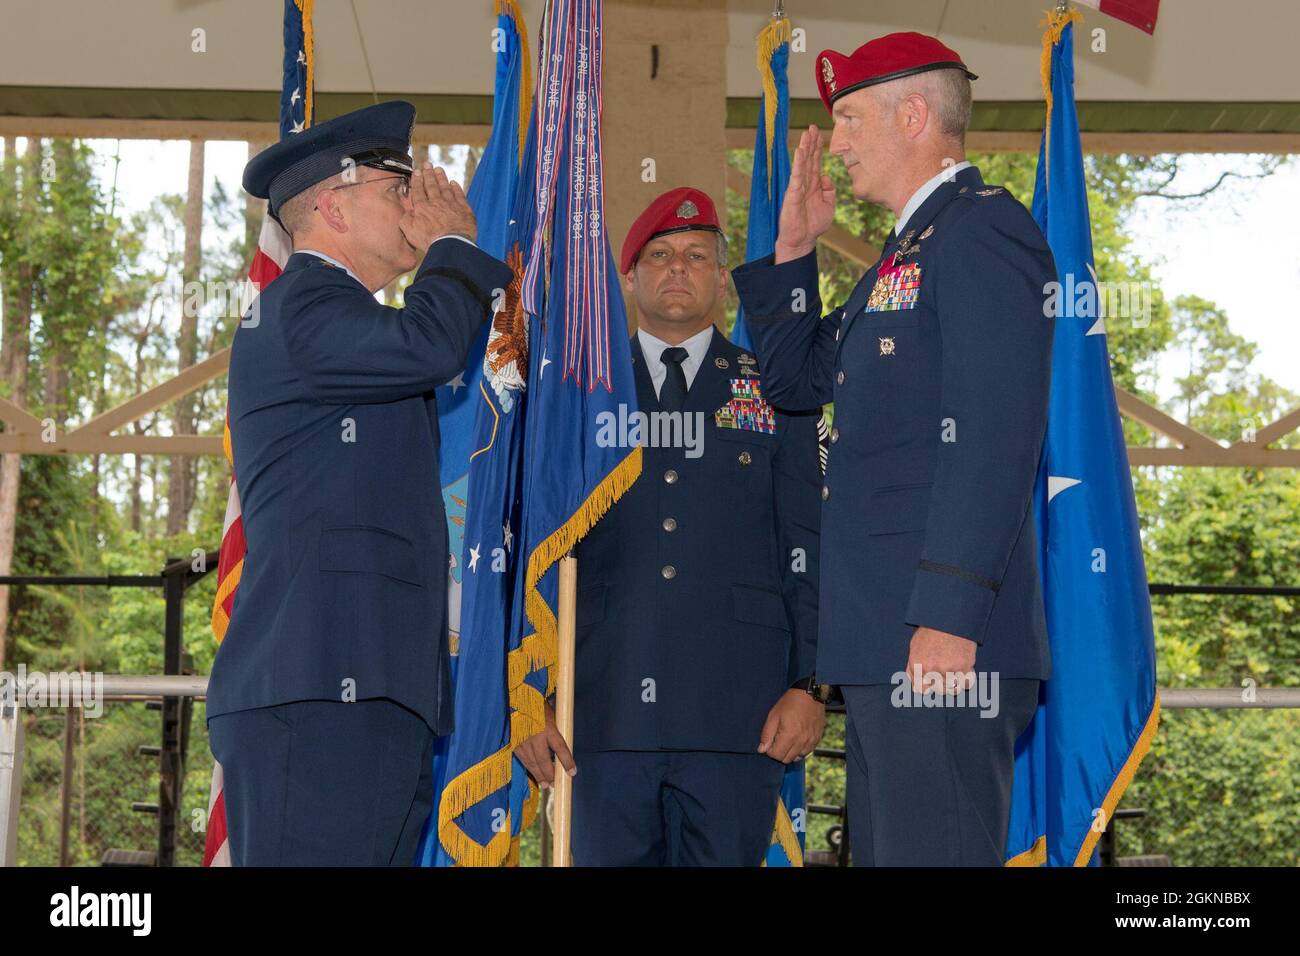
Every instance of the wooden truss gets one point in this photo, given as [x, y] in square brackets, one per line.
[29, 435]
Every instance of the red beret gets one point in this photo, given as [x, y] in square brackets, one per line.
[882, 59]
[675, 211]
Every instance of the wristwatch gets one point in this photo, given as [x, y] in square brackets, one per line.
[822, 693]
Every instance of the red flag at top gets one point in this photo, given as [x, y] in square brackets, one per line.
[1138, 13]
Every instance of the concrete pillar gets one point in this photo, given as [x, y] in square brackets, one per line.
[665, 105]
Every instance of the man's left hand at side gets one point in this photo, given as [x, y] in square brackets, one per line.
[793, 727]
[950, 657]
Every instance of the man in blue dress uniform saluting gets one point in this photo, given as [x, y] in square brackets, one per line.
[333, 676]
[932, 619]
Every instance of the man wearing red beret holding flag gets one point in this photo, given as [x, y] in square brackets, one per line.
[931, 613]
[697, 597]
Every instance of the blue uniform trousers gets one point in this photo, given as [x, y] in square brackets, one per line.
[673, 808]
[931, 786]
[324, 783]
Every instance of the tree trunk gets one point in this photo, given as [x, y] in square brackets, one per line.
[137, 470]
[17, 317]
[254, 210]
[180, 485]
[105, 321]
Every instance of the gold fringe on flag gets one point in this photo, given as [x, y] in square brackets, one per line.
[1036, 855]
[772, 36]
[511, 8]
[783, 833]
[541, 649]
[528, 716]
[1122, 780]
[308, 46]
[1055, 21]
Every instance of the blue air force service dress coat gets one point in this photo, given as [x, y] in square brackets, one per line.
[938, 367]
[335, 441]
[697, 591]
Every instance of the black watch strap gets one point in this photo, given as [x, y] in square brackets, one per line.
[822, 693]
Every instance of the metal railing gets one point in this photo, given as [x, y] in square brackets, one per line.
[175, 703]
[119, 688]
[122, 687]
[170, 692]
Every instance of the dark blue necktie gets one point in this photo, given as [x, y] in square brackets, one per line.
[672, 394]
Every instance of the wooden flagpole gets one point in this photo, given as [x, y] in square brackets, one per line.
[562, 796]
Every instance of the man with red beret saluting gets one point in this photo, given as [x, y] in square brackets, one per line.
[697, 592]
[931, 613]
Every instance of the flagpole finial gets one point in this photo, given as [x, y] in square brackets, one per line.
[1062, 6]
[778, 12]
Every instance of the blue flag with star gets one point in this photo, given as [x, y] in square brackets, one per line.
[478, 788]
[1098, 713]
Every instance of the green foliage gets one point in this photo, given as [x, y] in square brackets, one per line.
[102, 329]
[1220, 789]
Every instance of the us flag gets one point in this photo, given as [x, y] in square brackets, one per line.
[273, 248]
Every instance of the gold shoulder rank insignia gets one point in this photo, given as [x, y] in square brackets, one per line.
[989, 192]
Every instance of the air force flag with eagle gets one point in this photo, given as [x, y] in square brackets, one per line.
[1098, 713]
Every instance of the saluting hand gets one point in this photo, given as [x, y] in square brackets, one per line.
[438, 208]
[809, 205]
[793, 726]
[539, 752]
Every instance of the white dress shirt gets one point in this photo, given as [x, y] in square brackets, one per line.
[697, 346]
[922, 194]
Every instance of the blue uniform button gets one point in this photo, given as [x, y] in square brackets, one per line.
[835, 435]
[839, 377]
[670, 476]
[670, 524]
[826, 492]
[669, 572]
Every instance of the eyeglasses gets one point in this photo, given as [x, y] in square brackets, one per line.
[403, 188]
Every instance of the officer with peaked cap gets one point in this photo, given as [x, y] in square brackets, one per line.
[333, 676]
[938, 367]
[697, 592]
